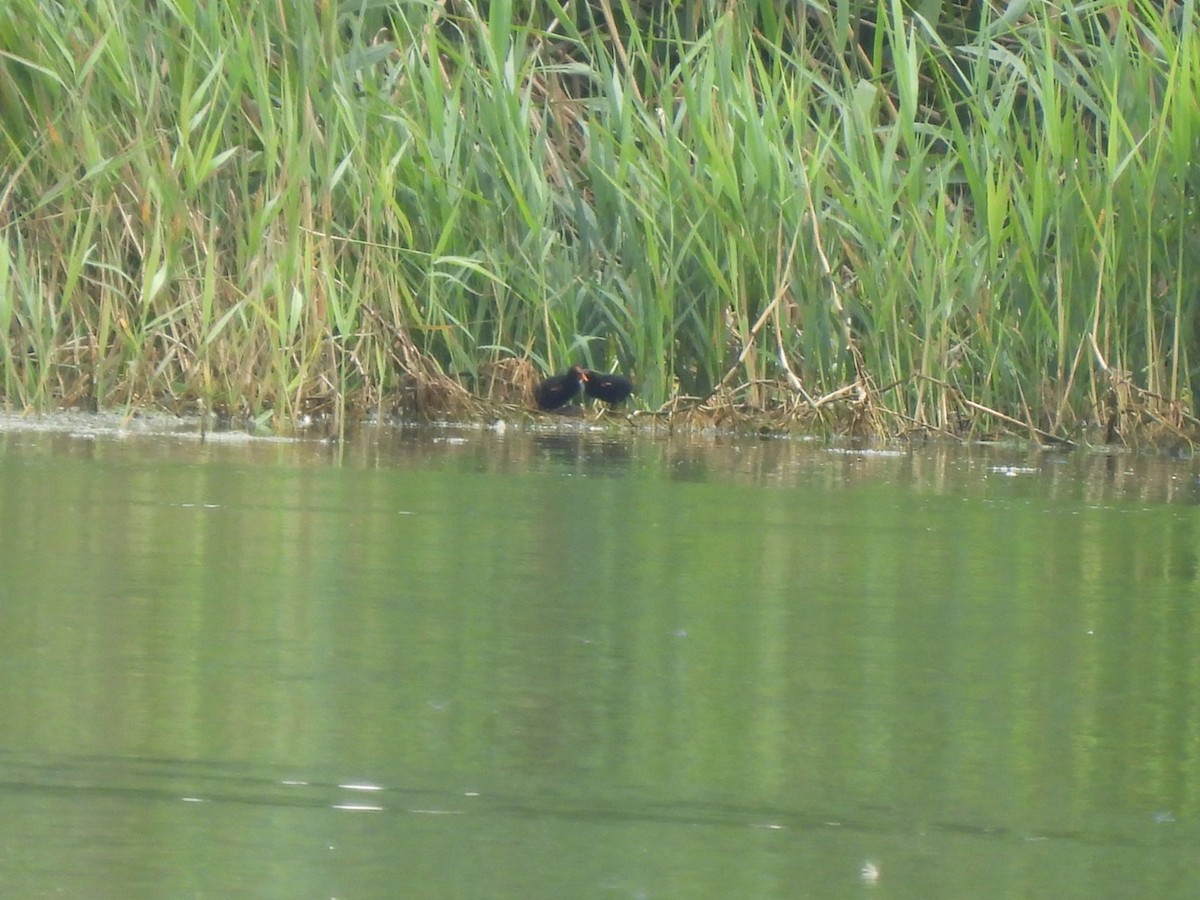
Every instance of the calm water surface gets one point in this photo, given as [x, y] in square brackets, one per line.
[437, 663]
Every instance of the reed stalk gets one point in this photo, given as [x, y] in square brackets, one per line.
[297, 208]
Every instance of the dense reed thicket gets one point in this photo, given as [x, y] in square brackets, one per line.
[860, 219]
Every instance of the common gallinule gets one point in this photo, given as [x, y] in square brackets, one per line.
[557, 390]
[607, 386]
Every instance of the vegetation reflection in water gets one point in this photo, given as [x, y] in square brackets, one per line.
[563, 665]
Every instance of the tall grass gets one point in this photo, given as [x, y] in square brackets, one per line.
[285, 208]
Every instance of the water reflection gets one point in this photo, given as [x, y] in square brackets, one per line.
[594, 454]
[732, 667]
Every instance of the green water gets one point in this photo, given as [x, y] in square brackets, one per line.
[463, 664]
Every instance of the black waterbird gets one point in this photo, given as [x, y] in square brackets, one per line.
[558, 390]
[607, 386]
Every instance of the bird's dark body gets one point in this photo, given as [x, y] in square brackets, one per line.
[607, 386]
[558, 390]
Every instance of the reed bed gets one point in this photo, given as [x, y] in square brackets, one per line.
[850, 221]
